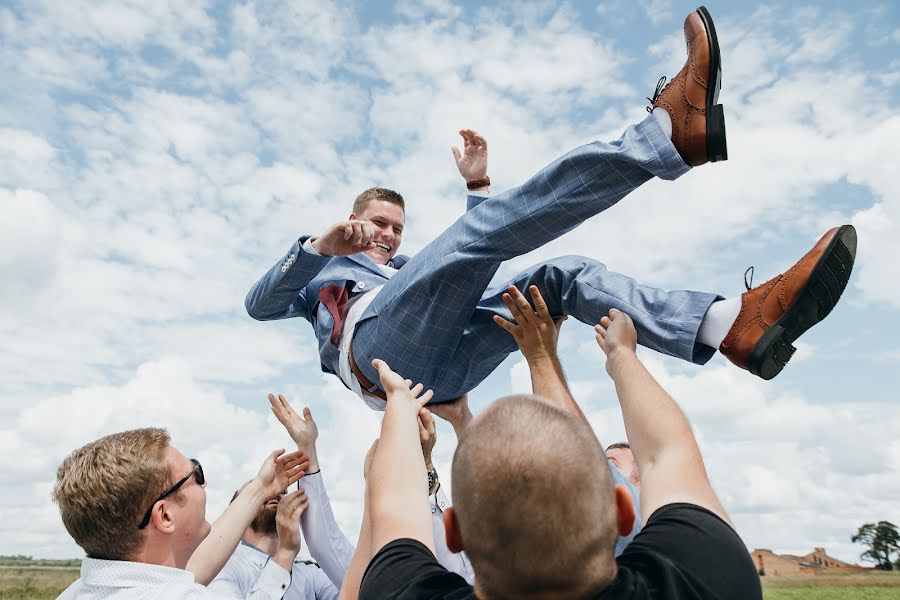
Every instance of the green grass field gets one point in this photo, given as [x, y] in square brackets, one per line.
[874, 586]
[35, 583]
[46, 583]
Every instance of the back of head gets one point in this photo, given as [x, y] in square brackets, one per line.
[534, 501]
[103, 489]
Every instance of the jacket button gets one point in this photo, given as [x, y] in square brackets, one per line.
[361, 285]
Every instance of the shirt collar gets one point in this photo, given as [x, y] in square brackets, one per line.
[127, 574]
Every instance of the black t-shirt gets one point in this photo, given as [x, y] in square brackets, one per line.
[685, 552]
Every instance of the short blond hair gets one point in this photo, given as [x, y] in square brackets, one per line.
[534, 502]
[104, 488]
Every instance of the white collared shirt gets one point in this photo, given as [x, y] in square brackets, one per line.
[122, 579]
[333, 551]
[355, 308]
[245, 567]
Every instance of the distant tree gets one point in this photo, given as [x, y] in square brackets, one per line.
[881, 540]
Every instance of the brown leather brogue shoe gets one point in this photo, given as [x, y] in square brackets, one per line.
[779, 311]
[698, 123]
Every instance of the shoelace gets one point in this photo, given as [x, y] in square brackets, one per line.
[660, 86]
[748, 282]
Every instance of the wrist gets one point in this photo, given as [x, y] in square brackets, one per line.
[479, 184]
[618, 358]
[317, 246]
[541, 359]
[255, 491]
[313, 457]
[284, 557]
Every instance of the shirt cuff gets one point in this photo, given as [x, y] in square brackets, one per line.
[308, 248]
[480, 194]
[438, 501]
[313, 484]
[273, 580]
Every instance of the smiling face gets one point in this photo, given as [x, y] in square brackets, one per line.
[389, 220]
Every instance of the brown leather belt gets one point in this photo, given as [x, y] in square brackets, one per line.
[363, 380]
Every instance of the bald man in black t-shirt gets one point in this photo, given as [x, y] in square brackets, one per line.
[556, 540]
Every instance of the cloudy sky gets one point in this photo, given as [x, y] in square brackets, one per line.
[157, 158]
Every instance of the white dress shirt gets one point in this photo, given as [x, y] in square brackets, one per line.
[355, 308]
[240, 575]
[121, 580]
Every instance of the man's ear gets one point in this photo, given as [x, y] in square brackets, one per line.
[624, 509]
[352, 217]
[451, 531]
[162, 518]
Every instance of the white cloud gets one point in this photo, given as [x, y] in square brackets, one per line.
[657, 10]
[29, 248]
[156, 158]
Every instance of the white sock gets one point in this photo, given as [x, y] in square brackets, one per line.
[664, 120]
[718, 320]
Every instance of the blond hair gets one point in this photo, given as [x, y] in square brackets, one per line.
[534, 501]
[104, 488]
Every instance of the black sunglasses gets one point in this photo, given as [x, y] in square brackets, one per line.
[201, 479]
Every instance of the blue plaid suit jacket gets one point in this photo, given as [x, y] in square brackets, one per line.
[309, 286]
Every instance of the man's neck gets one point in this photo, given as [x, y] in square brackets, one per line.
[267, 542]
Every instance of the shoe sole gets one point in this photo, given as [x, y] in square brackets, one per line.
[827, 282]
[716, 146]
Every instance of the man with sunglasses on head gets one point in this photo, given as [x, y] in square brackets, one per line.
[137, 506]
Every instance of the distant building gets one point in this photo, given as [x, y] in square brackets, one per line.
[770, 564]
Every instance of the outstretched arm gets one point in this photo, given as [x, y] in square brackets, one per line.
[327, 543]
[398, 487]
[364, 553]
[537, 335]
[661, 438]
[277, 472]
[456, 412]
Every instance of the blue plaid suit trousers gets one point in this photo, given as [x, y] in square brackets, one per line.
[433, 321]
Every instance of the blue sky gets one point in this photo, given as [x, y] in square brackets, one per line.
[156, 159]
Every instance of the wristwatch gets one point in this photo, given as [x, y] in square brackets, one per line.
[432, 480]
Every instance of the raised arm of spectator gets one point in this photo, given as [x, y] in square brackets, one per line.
[397, 487]
[438, 502]
[661, 438]
[456, 412]
[364, 553]
[537, 335]
[278, 471]
[326, 542]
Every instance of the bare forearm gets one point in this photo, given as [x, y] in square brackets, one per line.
[549, 381]
[398, 485]
[361, 558]
[665, 449]
[225, 534]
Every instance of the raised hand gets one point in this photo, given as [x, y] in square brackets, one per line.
[287, 524]
[303, 430]
[280, 470]
[472, 162]
[535, 331]
[616, 333]
[456, 412]
[395, 386]
[346, 238]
